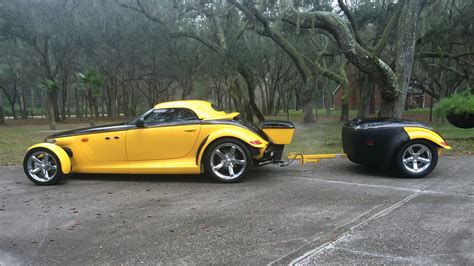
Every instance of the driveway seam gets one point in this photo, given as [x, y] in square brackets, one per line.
[330, 244]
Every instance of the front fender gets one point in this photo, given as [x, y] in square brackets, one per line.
[424, 133]
[59, 152]
[242, 134]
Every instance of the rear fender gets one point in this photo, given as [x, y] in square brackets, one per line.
[235, 132]
[424, 133]
[59, 152]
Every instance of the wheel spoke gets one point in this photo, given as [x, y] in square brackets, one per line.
[415, 166]
[44, 173]
[409, 159]
[231, 170]
[36, 170]
[54, 167]
[46, 158]
[425, 160]
[217, 167]
[410, 150]
[218, 152]
[236, 161]
[36, 160]
[232, 150]
[422, 150]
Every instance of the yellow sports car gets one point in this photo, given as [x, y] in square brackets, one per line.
[180, 137]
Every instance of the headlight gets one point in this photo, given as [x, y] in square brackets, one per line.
[52, 141]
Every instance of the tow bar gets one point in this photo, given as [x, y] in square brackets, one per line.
[309, 158]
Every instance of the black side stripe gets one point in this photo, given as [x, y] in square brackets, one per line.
[200, 148]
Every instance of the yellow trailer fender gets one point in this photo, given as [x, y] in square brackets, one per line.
[424, 133]
[236, 132]
[59, 152]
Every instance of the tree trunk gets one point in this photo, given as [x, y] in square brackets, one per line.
[13, 109]
[64, 97]
[50, 110]
[405, 49]
[23, 108]
[344, 111]
[77, 106]
[54, 100]
[366, 91]
[328, 103]
[92, 104]
[345, 103]
[308, 115]
[251, 91]
[96, 108]
[2, 114]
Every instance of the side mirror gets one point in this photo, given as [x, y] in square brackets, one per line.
[140, 122]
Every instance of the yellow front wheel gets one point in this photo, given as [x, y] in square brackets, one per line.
[42, 167]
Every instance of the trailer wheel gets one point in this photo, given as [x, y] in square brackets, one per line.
[416, 158]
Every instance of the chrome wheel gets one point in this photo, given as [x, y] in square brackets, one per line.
[42, 166]
[228, 161]
[417, 158]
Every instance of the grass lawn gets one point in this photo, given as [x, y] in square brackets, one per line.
[14, 140]
[320, 137]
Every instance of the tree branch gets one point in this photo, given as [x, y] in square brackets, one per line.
[378, 48]
[442, 55]
[213, 46]
[253, 14]
[355, 54]
[352, 21]
[141, 9]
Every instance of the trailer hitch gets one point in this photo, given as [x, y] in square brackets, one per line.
[308, 158]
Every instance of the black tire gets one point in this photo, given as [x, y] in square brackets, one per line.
[54, 179]
[407, 168]
[210, 160]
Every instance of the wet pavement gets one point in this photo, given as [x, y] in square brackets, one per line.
[332, 212]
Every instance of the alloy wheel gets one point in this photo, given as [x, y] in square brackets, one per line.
[42, 166]
[417, 158]
[228, 161]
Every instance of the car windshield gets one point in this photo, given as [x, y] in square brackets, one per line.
[135, 120]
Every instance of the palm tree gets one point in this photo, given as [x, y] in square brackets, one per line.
[92, 82]
[52, 88]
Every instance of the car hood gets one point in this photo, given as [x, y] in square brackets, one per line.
[92, 130]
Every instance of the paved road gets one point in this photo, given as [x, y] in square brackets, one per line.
[333, 212]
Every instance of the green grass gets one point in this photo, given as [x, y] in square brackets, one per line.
[15, 140]
[321, 137]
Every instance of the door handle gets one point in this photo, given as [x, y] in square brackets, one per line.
[107, 138]
[116, 137]
[190, 130]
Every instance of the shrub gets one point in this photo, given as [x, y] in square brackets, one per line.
[458, 104]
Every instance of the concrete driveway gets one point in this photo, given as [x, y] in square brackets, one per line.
[332, 212]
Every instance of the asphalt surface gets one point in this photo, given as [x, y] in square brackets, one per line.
[332, 212]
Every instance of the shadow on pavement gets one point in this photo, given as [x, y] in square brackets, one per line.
[254, 175]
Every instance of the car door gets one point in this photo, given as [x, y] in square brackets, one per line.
[105, 146]
[167, 134]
